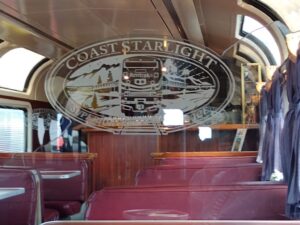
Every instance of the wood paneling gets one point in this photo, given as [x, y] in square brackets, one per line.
[120, 157]
[222, 140]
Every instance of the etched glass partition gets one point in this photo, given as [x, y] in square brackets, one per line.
[129, 85]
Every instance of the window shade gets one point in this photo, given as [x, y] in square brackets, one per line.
[12, 130]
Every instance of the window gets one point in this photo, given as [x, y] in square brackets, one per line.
[15, 126]
[289, 11]
[261, 36]
[13, 129]
[15, 67]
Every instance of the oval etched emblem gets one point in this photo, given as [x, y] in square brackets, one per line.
[128, 85]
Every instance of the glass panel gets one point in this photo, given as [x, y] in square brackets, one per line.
[122, 93]
[253, 27]
[288, 10]
[56, 133]
[134, 92]
[15, 67]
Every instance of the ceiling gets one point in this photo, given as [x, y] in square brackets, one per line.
[54, 27]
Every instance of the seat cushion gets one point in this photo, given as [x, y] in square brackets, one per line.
[50, 215]
[65, 208]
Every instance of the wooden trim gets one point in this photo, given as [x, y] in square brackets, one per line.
[160, 155]
[234, 126]
[224, 126]
[229, 126]
[43, 155]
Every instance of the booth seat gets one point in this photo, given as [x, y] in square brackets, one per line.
[199, 174]
[243, 201]
[20, 202]
[65, 185]
[65, 181]
[45, 214]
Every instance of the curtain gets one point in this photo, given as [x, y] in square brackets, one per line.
[263, 110]
[271, 147]
[292, 142]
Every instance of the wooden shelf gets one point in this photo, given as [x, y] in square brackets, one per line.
[234, 126]
[214, 127]
[160, 155]
[228, 126]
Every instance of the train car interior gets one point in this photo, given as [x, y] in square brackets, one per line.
[149, 112]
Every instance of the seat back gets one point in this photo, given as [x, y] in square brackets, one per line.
[198, 174]
[63, 179]
[22, 202]
[249, 201]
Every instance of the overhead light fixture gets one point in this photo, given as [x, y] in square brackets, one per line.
[165, 43]
[164, 69]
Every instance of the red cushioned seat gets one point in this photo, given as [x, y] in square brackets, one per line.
[50, 215]
[23, 207]
[243, 201]
[198, 174]
[65, 208]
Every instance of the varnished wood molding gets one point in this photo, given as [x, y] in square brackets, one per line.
[214, 127]
[234, 126]
[160, 155]
[43, 155]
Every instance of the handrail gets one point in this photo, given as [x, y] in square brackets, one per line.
[7, 192]
[50, 175]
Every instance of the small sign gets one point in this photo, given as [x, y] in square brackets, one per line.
[239, 140]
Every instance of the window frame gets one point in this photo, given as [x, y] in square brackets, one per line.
[30, 73]
[26, 106]
[242, 33]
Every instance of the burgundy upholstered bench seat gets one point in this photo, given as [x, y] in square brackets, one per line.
[50, 215]
[250, 201]
[65, 208]
[23, 207]
[65, 194]
[47, 214]
[198, 174]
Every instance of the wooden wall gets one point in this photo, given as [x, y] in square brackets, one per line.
[221, 140]
[120, 157]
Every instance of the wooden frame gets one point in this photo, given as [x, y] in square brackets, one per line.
[250, 76]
